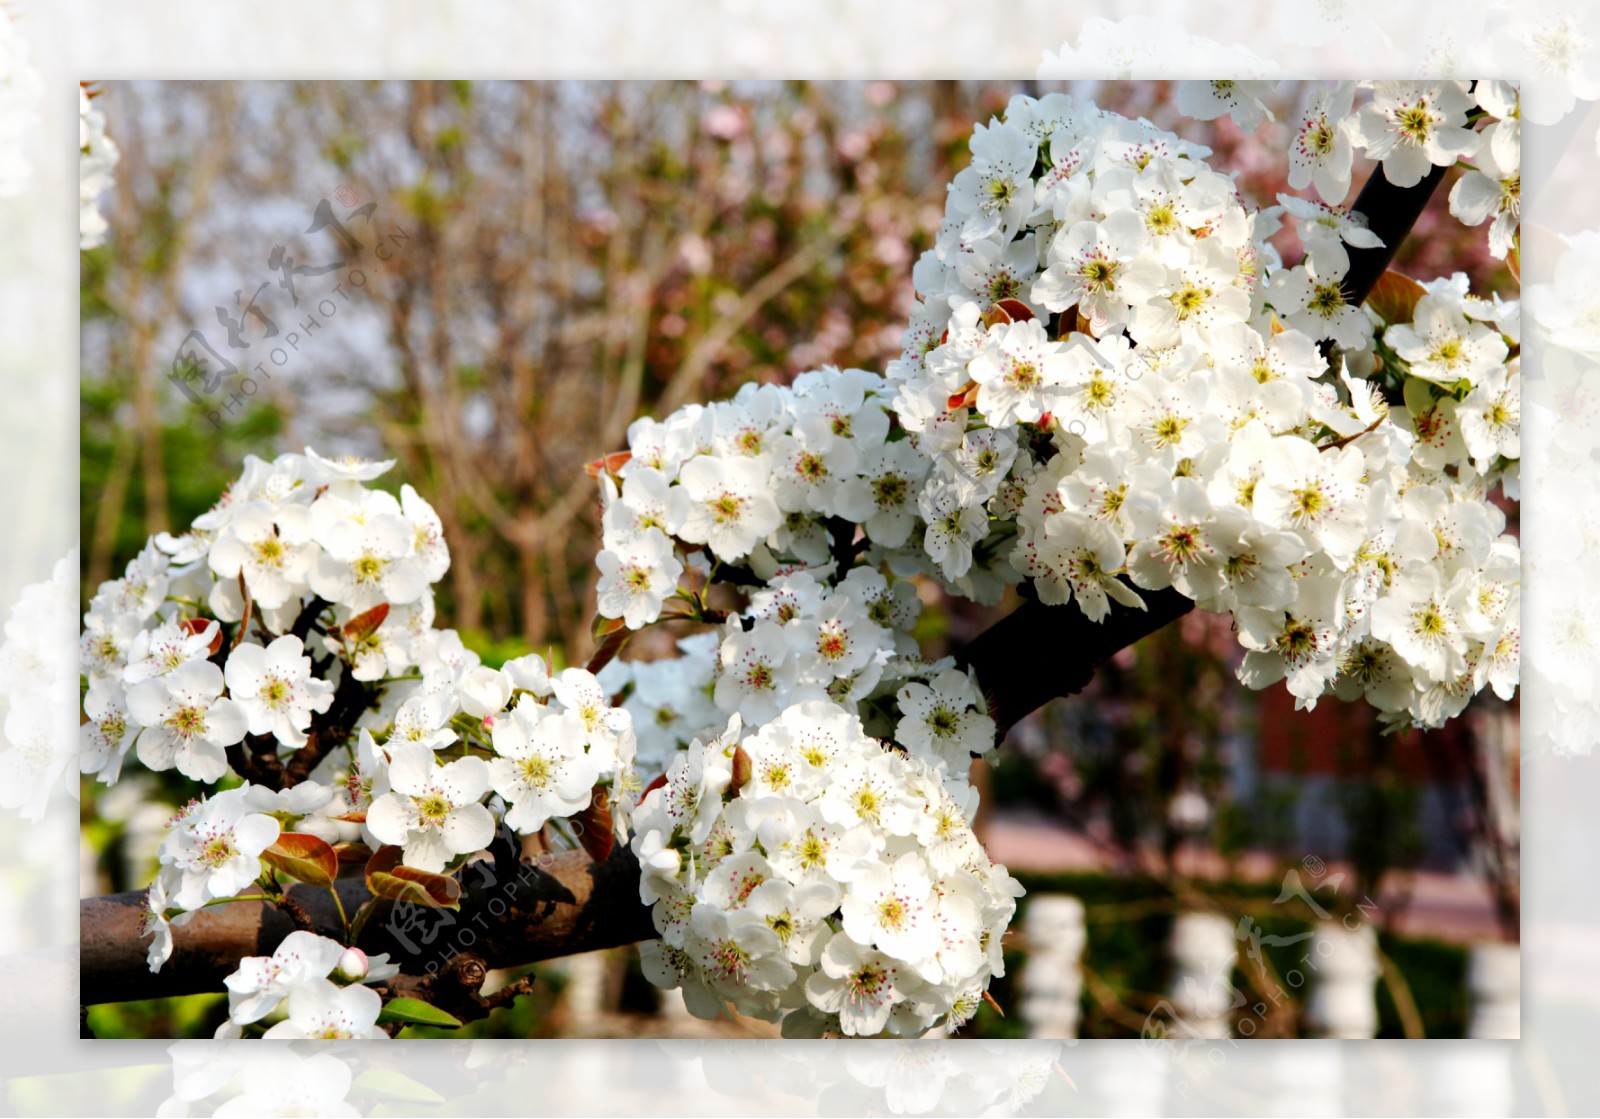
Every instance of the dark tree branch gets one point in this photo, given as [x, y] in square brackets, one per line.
[1037, 652]
[1390, 211]
[558, 906]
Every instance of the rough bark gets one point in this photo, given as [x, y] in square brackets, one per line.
[518, 914]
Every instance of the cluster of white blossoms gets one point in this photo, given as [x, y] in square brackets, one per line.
[97, 157]
[1111, 386]
[38, 691]
[310, 987]
[765, 481]
[301, 605]
[1121, 390]
[20, 91]
[810, 871]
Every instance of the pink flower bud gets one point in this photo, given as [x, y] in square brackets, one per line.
[352, 966]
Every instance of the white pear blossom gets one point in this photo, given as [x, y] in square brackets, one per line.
[728, 506]
[433, 810]
[945, 721]
[213, 848]
[636, 578]
[187, 723]
[1415, 126]
[260, 983]
[1492, 189]
[825, 843]
[543, 769]
[274, 688]
[319, 1008]
[1320, 153]
[1242, 100]
[271, 548]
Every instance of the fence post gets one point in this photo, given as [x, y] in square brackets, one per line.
[1494, 976]
[1052, 976]
[1343, 969]
[1204, 949]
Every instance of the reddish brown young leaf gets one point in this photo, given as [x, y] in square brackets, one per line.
[614, 637]
[594, 826]
[304, 858]
[388, 877]
[1016, 309]
[1395, 297]
[198, 626]
[608, 464]
[965, 397]
[996, 315]
[352, 853]
[362, 626]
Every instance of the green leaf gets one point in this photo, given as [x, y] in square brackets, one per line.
[304, 858]
[415, 1012]
[387, 1084]
[387, 877]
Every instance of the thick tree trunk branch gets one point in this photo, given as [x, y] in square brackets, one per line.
[1390, 211]
[1037, 652]
[519, 914]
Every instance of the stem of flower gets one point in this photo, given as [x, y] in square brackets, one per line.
[344, 921]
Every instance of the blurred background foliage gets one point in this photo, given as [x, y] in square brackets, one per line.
[506, 274]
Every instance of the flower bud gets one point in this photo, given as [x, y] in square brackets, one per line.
[352, 966]
[742, 771]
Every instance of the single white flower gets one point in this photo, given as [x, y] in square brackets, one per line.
[368, 552]
[168, 647]
[214, 847]
[347, 468]
[892, 907]
[275, 689]
[185, 724]
[272, 549]
[1415, 126]
[1493, 189]
[543, 769]
[260, 983]
[1018, 371]
[1320, 153]
[108, 732]
[1442, 345]
[319, 1008]
[636, 577]
[860, 985]
[946, 721]
[432, 810]
[730, 508]
[1242, 100]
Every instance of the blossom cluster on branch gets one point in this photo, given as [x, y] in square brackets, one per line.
[809, 868]
[288, 637]
[1111, 384]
